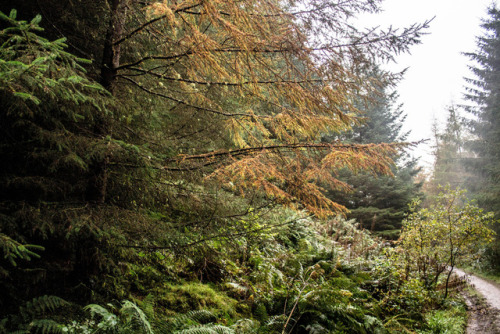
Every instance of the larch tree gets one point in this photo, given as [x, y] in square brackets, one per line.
[266, 77]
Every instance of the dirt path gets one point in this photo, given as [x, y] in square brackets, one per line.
[484, 315]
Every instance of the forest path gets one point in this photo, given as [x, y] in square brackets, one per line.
[483, 319]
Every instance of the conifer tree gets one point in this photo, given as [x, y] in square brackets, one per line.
[450, 154]
[264, 77]
[380, 202]
[483, 91]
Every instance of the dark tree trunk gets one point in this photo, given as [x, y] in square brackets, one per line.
[111, 52]
[97, 187]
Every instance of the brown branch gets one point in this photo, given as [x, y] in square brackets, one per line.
[148, 23]
[323, 146]
[212, 158]
[183, 102]
[233, 50]
[208, 83]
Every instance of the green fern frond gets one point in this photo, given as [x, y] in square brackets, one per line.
[246, 326]
[275, 322]
[40, 305]
[46, 326]
[240, 289]
[316, 328]
[108, 319]
[202, 316]
[135, 316]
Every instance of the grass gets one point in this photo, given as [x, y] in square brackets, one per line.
[451, 320]
[487, 275]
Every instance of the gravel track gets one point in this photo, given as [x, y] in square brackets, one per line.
[484, 316]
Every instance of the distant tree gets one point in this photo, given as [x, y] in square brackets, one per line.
[380, 202]
[450, 154]
[483, 91]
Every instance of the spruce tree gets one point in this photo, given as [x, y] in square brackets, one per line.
[380, 202]
[451, 154]
[484, 92]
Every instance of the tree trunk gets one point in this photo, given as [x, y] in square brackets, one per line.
[111, 52]
[97, 187]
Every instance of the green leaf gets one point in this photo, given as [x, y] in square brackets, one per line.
[26, 96]
[13, 14]
[36, 20]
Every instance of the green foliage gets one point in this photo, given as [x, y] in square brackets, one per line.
[31, 317]
[119, 189]
[49, 111]
[195, 296]
[450, 321]
[452, 231]
[379, 202]
[130, 319]
[13, 250]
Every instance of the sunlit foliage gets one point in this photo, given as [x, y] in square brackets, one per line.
[452, 231]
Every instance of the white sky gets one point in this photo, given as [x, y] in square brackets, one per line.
[436, 68]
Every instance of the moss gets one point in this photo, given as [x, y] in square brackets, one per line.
[197, 296]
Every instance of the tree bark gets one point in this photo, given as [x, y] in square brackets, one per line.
[111, 51]
[97, 187]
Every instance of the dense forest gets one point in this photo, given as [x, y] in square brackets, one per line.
[222, 166]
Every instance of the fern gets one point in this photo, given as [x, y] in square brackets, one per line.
[207, 329]
[135, 316]
[276, 322]
[245, 326]
[202, 316]
[28, 320]
[108, 319]
[316, 328]
[130, 318]
[46, 326]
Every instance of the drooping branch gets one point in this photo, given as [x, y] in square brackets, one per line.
[183, 102]
[216, 157]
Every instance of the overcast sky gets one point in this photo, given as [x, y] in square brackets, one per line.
[434, 79]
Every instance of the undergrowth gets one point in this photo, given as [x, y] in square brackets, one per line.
[303, 277]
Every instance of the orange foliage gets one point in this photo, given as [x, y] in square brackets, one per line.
[292, 68]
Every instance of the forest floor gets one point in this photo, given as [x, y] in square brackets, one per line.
[483, 307]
